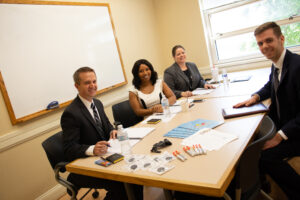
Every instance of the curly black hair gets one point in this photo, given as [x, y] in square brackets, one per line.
[135, 72]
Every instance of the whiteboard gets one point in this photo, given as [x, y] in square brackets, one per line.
[43, 45]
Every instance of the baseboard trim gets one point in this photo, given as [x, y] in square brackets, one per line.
[53, 194]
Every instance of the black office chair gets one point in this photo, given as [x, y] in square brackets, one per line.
[124, 114]
[247, 178]
[53, 147]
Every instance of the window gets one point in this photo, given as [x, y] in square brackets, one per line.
[229, 27]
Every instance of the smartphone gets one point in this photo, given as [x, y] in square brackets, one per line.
[153, 121]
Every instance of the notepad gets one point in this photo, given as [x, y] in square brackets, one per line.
[238, 112]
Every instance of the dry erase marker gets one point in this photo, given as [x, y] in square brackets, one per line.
[199, 149]
[177, 156]
[196, 150]
[203, 150]
[182, 156]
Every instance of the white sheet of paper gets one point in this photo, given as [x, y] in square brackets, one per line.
[209, 139]
[115, 146]
[138, 132]
[201, 91]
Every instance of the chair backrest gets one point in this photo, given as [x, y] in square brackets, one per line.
[248, 179]
[53, 147]
[124, 114]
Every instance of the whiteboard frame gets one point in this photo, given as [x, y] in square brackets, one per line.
[3, 88]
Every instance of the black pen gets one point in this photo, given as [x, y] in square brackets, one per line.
[135, 138]
[191, 105]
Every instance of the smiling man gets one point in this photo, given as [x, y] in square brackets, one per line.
[283, 88]
[86, 130]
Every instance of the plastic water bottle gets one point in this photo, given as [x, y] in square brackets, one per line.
[165, 105]
[225, 77]
[124, 141]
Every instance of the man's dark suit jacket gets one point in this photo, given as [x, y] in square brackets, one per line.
[80, 130]
[179, 82]
[288, 94]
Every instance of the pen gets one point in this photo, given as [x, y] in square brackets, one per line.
[191, 105]
[135, 138]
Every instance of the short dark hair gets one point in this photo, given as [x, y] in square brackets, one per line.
[135, 72]
[266, 26]
[175, 48]
[81, 70]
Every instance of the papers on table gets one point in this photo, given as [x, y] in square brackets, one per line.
[134, 135]
[201, 91]
[175, 109]
[179, 102]
[138, 133]
[159, 116]
[209, 139]
[189, 128]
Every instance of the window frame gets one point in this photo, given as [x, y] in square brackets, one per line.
[211, 39]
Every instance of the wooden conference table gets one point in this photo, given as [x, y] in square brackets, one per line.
[207, 174]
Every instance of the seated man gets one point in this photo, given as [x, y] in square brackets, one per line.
[86, 130]
[283, 88]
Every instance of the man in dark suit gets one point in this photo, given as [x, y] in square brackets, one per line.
[283, 88]
[86, 130]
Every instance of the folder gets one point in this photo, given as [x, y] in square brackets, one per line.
[237, 112]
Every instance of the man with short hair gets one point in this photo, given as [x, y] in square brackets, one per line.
[283, 88]
[86, 131]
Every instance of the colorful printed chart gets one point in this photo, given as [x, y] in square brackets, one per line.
[189, 128]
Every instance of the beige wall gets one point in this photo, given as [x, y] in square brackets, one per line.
[145, 29]
[179, 22]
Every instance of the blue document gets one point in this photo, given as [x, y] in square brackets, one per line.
[189, 128]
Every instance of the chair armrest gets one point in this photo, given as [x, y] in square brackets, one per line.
[61, 168]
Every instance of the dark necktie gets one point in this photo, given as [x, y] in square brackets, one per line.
[96, 116]
[276, 83]
[275, 79]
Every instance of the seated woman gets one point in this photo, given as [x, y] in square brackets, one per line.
[183, 77]
[145, 97]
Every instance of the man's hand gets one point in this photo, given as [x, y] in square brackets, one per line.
[113, 134]
[273, 142]
[186, 94]
[100, 148]
[254, 99]
[208, 86]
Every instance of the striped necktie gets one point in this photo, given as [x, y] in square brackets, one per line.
[96, 116]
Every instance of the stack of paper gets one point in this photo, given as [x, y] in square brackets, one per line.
[209, 139]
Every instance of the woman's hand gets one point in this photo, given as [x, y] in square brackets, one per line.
[186, 94]
[208, 86]
[157, 109]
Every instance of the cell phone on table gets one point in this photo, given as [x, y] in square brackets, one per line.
[153, 121]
